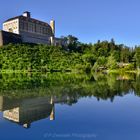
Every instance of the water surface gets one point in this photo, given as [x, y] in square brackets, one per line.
[72, 107]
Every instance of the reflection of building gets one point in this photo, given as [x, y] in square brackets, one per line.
[30, 110]
[26, 111]
[25, 116]
[7, 103]
[24, 28]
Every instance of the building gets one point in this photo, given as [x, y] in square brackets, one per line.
[25, 112]
[28, 30]
[28, 110]
[7, 37]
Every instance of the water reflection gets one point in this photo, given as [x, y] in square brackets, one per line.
[26, 99]
[26, 111]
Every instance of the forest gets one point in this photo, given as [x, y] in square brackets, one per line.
[74, 57]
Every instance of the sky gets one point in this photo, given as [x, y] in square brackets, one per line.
[89, 20]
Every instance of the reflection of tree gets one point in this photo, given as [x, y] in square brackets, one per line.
[136, 85]
[73, 86]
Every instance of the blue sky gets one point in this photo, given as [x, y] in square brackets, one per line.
[89, 20]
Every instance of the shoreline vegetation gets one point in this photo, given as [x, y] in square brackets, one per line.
[103, 87]
[75, 57]
[117, 71]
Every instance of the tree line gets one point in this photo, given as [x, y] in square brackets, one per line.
[75, 56]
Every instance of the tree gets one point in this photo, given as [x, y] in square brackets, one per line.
[72, 42]
[125, 55]
[138, 57]
[111, 62]
[100, 63]
[72, 39]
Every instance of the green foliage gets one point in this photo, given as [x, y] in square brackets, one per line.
[138, 57]
[100, 63]
[103, 87]
[125, 54]
[78, 57]
[36, 58]
[111, 62]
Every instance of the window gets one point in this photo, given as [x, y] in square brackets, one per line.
[25, 26]
[11, 30]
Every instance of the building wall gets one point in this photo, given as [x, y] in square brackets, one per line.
[11, 26]
[7, 37]
[34, 31]
[1, 39]
[12, 114]
[34, 26]
[1, 103]
[35, 38]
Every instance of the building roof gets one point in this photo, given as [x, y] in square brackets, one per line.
[12, 18]
[27, 18]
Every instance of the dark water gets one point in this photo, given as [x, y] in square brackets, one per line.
[71, 107]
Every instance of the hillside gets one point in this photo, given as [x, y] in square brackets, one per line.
[76, 57]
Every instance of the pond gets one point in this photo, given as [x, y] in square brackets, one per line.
[69, 106]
